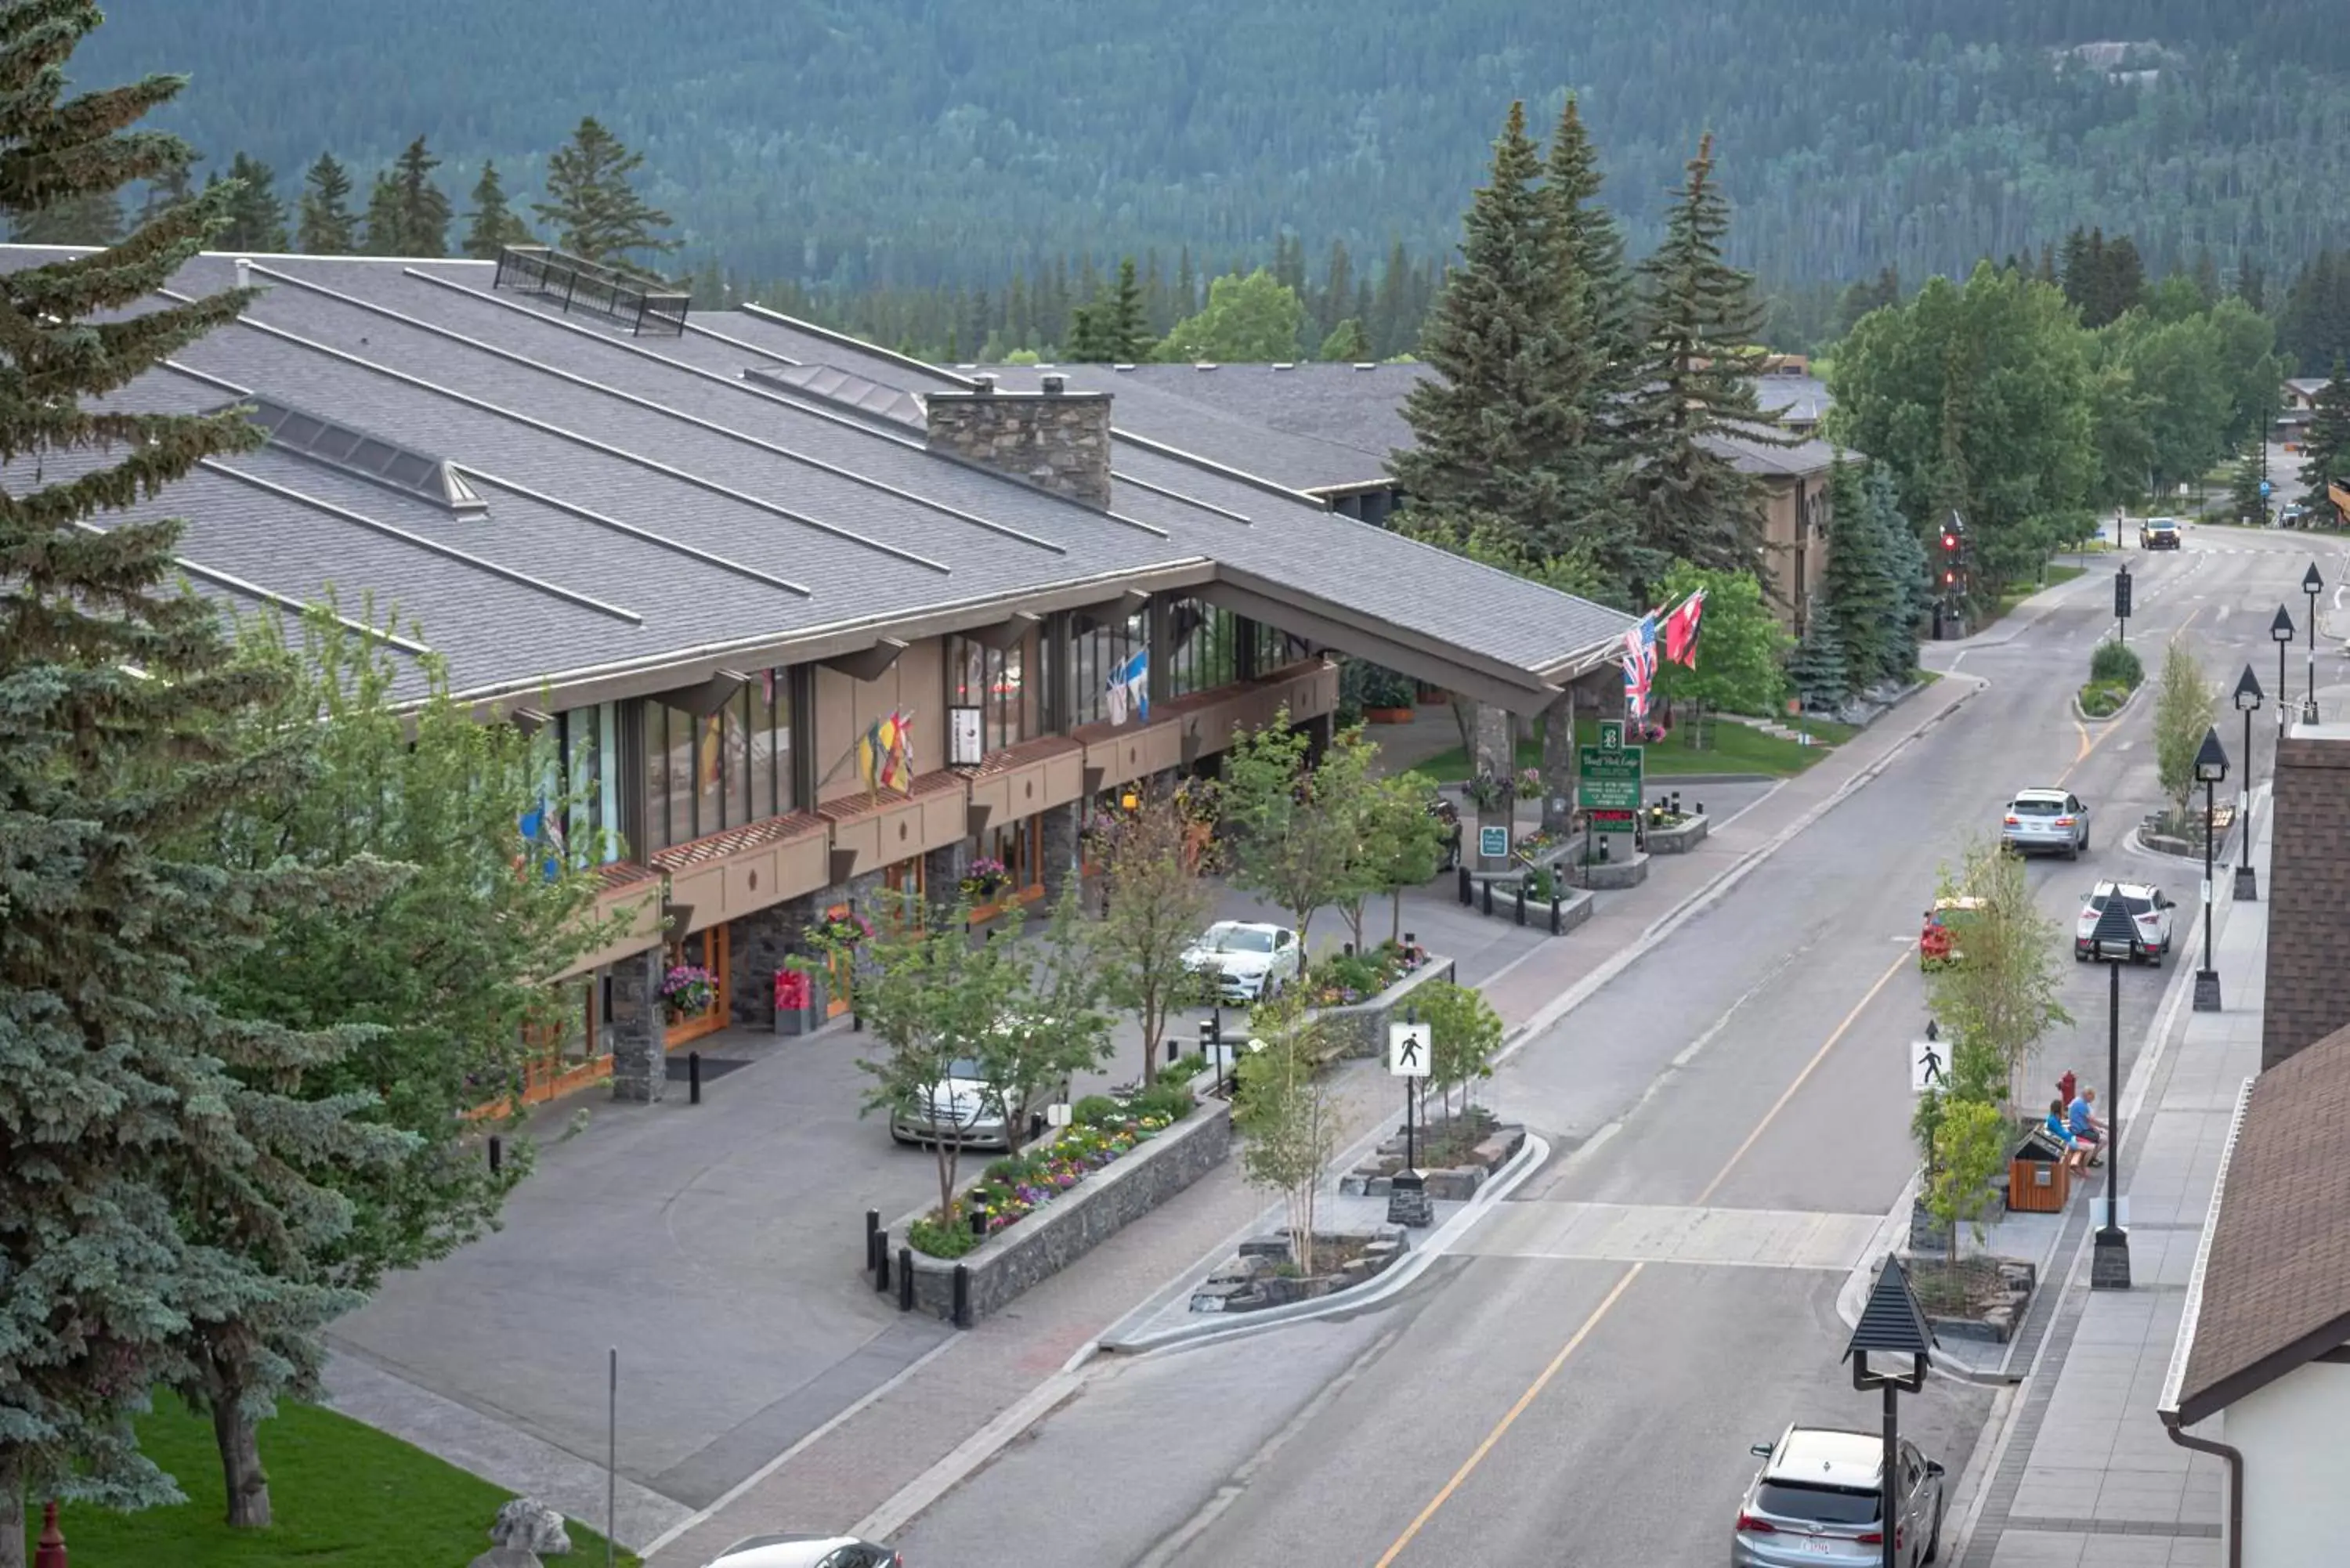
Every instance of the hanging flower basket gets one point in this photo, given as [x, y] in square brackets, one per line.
[688, 988]
[843, 930]
[1530, 783]
[987, 880]
[1488, 792]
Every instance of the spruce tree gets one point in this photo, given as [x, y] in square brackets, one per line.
[2325, 450]
[327, 228]
[93, 218]
[1506, 430]
[1127, 321]
[1589, 234]
[172, 186]
[1689, 499]
[257, 217]
[1816, 668]
[144, 1120]
[1862, 584]
[383, 217]
[424, 210]
[1905, 563]
[592, 203]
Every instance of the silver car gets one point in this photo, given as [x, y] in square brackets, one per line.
[963, 1108]
[2050, 820]
[1245, 960]
[1816, 1501]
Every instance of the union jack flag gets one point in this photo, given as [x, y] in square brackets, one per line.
[1640, 667]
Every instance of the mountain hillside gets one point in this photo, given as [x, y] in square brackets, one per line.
[857, 141]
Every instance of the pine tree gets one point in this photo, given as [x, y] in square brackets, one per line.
[327, 228]
[1589, 235]
[1392, 326]
[1505, 430]
[1858, 587]
[2326, 448]
[1816, 668]
[1127, 323]
[148, 1135]
[592, 204]
[2245, 502]
[1689, 499]
[383, 236]
[2124, 280]
[492, 226]
[257, 217]
[92, 218]
[424, 210]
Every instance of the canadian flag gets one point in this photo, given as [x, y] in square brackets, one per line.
[1682, 629]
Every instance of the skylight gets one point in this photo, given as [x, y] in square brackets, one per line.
[840, 387]
[364, 456]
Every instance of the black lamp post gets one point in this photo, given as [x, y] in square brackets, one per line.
[2281, 630]
[1889, 1350]
[2313, 584]
[2114, 942]
[2248, 702]
[2210, 770]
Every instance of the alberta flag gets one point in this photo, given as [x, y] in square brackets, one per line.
[1129, 689]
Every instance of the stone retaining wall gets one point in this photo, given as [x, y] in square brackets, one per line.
[1613, 876]
[1360, 1029]
[1063, 1231]
[1677, 840]
[1574, 905]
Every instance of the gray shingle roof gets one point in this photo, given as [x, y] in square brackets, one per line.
[647, 505]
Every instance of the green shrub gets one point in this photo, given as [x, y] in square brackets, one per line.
[1097, 1110]
[2103, 699]
[1357, 972]
[1183, 1069]
[2115, 662]
[1169, 1097]
[934, 1239]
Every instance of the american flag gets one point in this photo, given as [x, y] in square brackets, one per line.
[1640, 667]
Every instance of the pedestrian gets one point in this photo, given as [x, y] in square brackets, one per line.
[2081, 1121]
[2075, 1153]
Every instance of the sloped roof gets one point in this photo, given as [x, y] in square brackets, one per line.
[653, 513]
[2273, 1286]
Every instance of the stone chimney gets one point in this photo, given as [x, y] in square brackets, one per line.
[1055, 439]
[2308, 991]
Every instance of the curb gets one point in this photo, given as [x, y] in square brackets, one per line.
[1530, 1156]
[2086, 717]
[1728, 877]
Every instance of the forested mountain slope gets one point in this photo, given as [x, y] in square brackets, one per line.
[850, 141]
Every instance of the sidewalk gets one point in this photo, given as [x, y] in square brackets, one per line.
[2084, 1473]
[979, 1386]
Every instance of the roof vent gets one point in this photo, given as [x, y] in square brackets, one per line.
[1284, 365]
[1123, 364]
[1364, 365]
[972, 366]
[984, 382]
[245, 272]
[1054, 384]
[1203, 364]
[432, 480]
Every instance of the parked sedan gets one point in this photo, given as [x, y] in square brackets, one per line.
[2149, 908]
[1816, 1499]
[1245, 960]
[807, 1552]
[965, 1109]
[2046, 819]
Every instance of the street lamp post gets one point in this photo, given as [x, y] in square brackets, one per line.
[2113, 943]
[2281, 630]
[2313, 584]
[2248, 702]
[2210, 771]
[1891, 1346]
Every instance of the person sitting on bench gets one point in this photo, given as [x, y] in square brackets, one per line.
[2081, 1121]
[2076, 1153]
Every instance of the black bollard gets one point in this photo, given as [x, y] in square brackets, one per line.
[881, 1262]
[905, 1279]
[1701, 808]
[873, 1241]
[1488, 896]
[1555, 916]
[856, 1023]
[1467, 897]
[693, 1077]
[978, 1220]
[962, 1295]
[1522, 903]
[497, 1153]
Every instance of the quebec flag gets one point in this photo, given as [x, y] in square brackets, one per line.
[1129, 689]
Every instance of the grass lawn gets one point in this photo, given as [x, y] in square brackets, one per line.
[1736, 749]
[345, 1495]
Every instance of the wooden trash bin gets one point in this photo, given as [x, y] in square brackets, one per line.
[2038, 1181]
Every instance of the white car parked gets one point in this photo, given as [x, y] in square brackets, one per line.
[2149, 908]
[1245, 960]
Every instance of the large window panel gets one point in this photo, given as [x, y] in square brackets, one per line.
[1096, 652]
[1204, 656]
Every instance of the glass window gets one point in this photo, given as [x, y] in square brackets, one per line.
[730, 770]
[770, 701]
[1095, 654]
[997, 685]
[1205, 642]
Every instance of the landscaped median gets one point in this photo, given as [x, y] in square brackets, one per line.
[2115, 676]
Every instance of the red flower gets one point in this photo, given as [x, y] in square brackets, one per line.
[791, 991]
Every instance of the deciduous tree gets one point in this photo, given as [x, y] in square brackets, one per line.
[1285, 1112]
[2182, 715]
[1397, 846]
[1741, 649]
[2004, 996]
[1294, 821]
[1056, 1028]
[1155, 905]
[1247, 319]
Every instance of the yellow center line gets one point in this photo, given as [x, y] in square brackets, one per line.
[1582, 1332]
[1507, 1421]
[2090, 743]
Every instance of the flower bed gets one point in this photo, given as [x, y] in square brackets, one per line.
[1014, 1187]
[1360, 1028]
[1349, 978]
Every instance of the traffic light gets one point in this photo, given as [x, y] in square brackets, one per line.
[1954, 557]
[2122, 595]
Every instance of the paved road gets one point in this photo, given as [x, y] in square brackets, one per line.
[1547, 1392]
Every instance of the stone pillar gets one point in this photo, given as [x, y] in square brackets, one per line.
[757, 945]
[1057, 843]
[1496, 748]
[1558, 763]
[639, 1030]
[942, 871]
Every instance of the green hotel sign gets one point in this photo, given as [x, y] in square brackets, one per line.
[1608, 779]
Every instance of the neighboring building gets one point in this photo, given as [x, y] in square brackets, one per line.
[2262, 1358]
[1327, 429]
[2292, 421]
[2308, 978]
[712, 551]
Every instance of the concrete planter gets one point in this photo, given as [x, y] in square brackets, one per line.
[1677, 840]
[1375, 1178]
[1065, 1230]
[1612, 876]
[1360, 1028]
[1994, 1324]
[1574, 905]
[1251, 1281]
